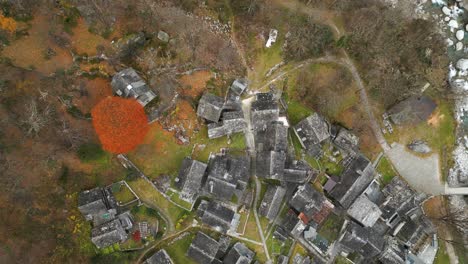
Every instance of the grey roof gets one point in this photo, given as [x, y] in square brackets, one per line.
[393, 253]
[355, 178]
[399, 200]
[203, 248]
[216, 215]
[97, 205]
[298, 171]
[288, 223]
[264, 111]
[363, 240]
[270, 164]
[108, 234]
[224, 242]
[413, 110]
[374, 193]
[346, 140]
[239, 86]
[312, 131]
[227, 176]
[274, 138]
[210, 107]
[239, 254]
[232, 122]
[354, 236]
[160, 257]
[271, 202]
[127, 83]
[311, 203]
[282, 259]
[190, 178]
[364, 211]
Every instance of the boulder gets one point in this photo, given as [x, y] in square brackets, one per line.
[419, 146]
[446, 11]
[453, 24]
[462, 64]
[460, 34]
[163, 36]
[459, 46]
[449, 42]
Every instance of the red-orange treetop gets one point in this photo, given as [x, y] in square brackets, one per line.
[121, 124]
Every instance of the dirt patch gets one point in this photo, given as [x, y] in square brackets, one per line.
[29, 52]
[194, 84]
[435, 207]
[435, 119]
[183, 119]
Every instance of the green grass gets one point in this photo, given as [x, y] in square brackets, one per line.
[297, 112]
[151, 196]
[91, 152]
[442, 257]
[175, 197]
[341, 260]
[385, 169]
[178, 250]
[331, 227]
[122, 193]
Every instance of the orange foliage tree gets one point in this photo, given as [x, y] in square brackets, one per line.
[8, 24]
[121, 124]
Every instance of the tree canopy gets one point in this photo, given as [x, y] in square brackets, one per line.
[121, 124]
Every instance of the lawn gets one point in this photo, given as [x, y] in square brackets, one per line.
[442, 256]
[296, 111]
[438, 132]
[330, 229]
[150, 195]
[385, 169]
[121, 193]
[298, 249]
[251, 231]
[178, 249]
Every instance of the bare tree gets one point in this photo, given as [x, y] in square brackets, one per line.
[457, 219]
[36, 119]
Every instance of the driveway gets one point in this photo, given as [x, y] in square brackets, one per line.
[423, 174]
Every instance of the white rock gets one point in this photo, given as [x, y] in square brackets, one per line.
[446, 11]
[459, 46]
[447, 19]
[466, 27]
[439, 2]
[449, 42]
[460, 34]
[453, 24]
[462, 64]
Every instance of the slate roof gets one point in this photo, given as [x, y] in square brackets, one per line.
[232, 122]
[270, 164]
[311, 132]
[347, 141]
[239, 254]
[399, 200]
[239, 86]
[413, 110]
[393, 253]
[97, 205]
[275, 138]
[283, 259]
[288, 223]
[271, 202]
[298, 171]
[108, 234]
[203, 249]
[210, 107]
[227, 176]
[363, 240]
[355, 178]
[127, 83]
[364, 211]
[311, 204]
[190, 179]
[160, 257]
[264, 111]
[217, 215]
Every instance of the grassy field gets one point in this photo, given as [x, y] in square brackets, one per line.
[298, 249]
[331, 227]
[297, 111]
[442, 256]
[122, 193]
[385, 168]
[151, 196]
[178, 249]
